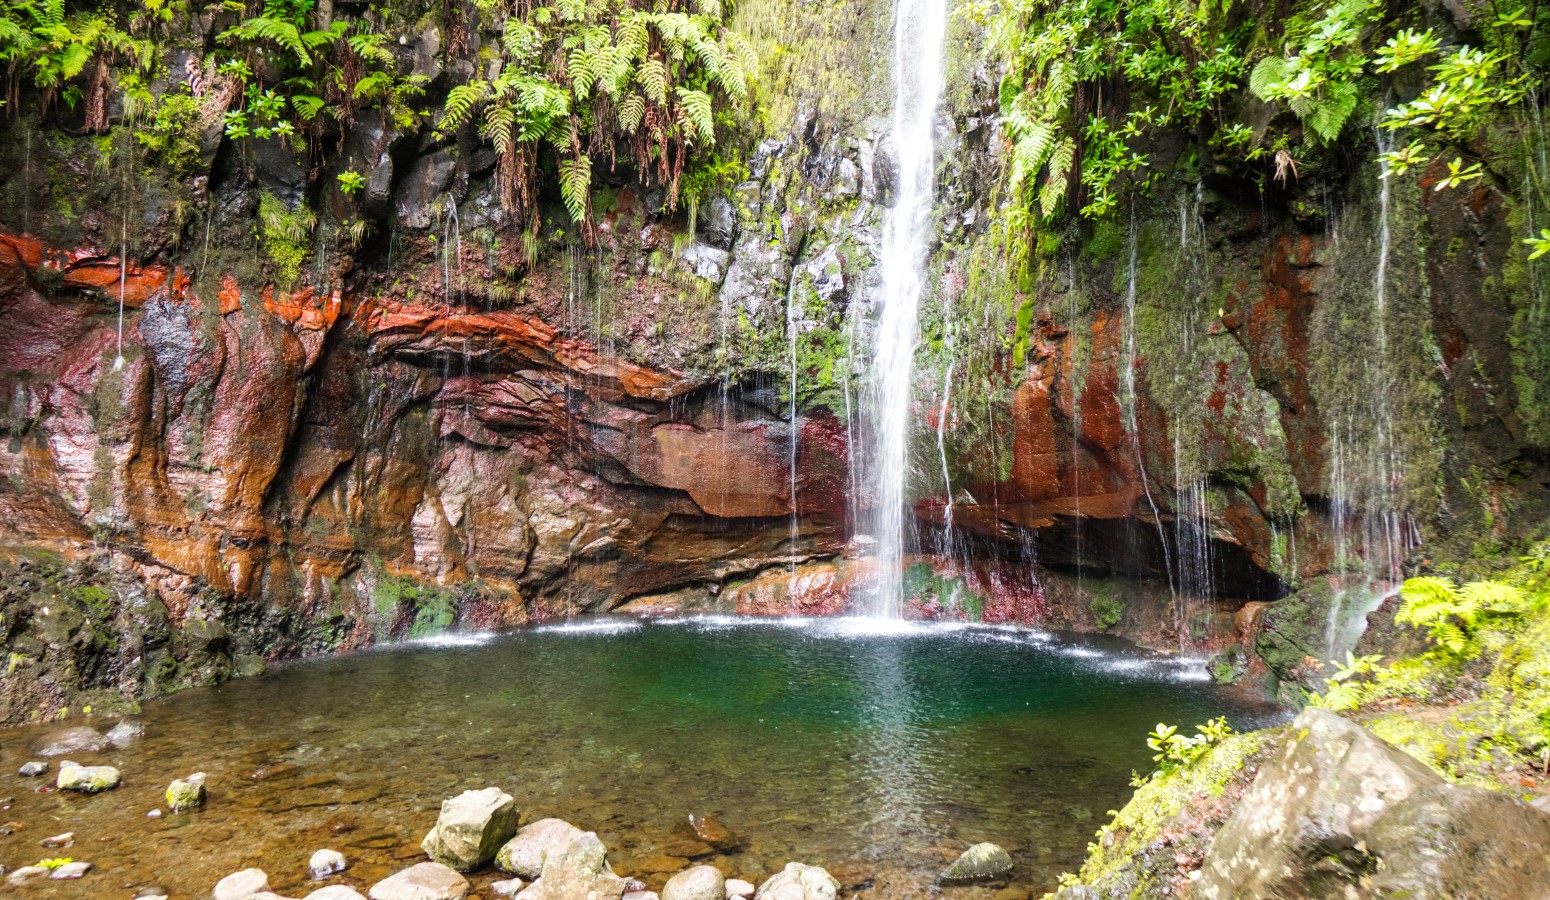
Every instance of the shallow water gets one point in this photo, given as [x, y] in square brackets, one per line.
[875, 750]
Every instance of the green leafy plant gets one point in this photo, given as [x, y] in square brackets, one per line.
[1174, 751]
[56, 863]
[1538, 246]
[351, 182]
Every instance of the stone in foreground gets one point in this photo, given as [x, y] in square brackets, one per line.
[336, 892]
[471, 829]
[33, 769]
[799, 882]
[426, 881]
[1339, 810]
[508, 888]
[981, 862]
[325, 863]
[186, 794]
[70, 871]
[579, 872]
[80, 739]
[241, 885]
[698, 883]
[86, 779]
[737, 888]
[524, 854]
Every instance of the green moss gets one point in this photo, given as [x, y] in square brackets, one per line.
[1106, 610]
[287, 236]
[1157, 802]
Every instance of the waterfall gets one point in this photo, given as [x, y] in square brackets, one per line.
[919, 29]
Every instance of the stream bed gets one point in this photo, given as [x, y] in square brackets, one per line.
[877, 750]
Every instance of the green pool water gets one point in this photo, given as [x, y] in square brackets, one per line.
[878, 752]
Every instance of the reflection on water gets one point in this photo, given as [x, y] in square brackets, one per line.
[878, 750]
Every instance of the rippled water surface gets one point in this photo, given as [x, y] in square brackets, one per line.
[878, 751]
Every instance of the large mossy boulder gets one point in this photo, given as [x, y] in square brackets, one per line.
[471, 829]
[579, 872]
[799, 882]
[1338, 812]
[524, 854]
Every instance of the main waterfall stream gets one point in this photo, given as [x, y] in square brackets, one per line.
[878, 756]
[919, 29]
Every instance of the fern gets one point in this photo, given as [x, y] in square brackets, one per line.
[695, 107]
[652, 78]
[1054, 189]
[460, 104]
[576, 186]
[1267, 76]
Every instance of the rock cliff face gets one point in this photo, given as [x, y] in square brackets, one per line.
[316, 438]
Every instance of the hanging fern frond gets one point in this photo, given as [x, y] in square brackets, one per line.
[695, 107]
[576, 186]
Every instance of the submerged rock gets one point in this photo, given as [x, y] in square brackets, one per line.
[125, 733]
[186, 794]
[981, 862]
[80, 739]
[325, 863]
[698, 883]
[713, 832]
[471, 829]
[524, 854]
[241, 885]
[1340, 811]
[86, 779]
[799, 882]
[579, 872]
[33, 769]
[59, 840]
[425, 881]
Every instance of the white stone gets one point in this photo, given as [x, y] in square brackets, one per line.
[737, 888]
[241, 885]
[336, 892]
[325, 863]
[426, 881]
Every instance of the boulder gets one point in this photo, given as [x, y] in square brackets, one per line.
[698, 883]
[80, 739]
[579, 872]
[472, 827]
[336, 892]
[70, 871]
[241, 885]
[524, 854]
[426, 881]
[737, 889]
[325, 863]
[799, 882]
[86, 779]
[1339, 812]
[126, 732]
[981, 862]
[186, 794]
[33, 769]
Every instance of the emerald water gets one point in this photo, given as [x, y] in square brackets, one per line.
[879, 754]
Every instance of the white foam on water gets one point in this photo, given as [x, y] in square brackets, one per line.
[603, 626]
[461, 639]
